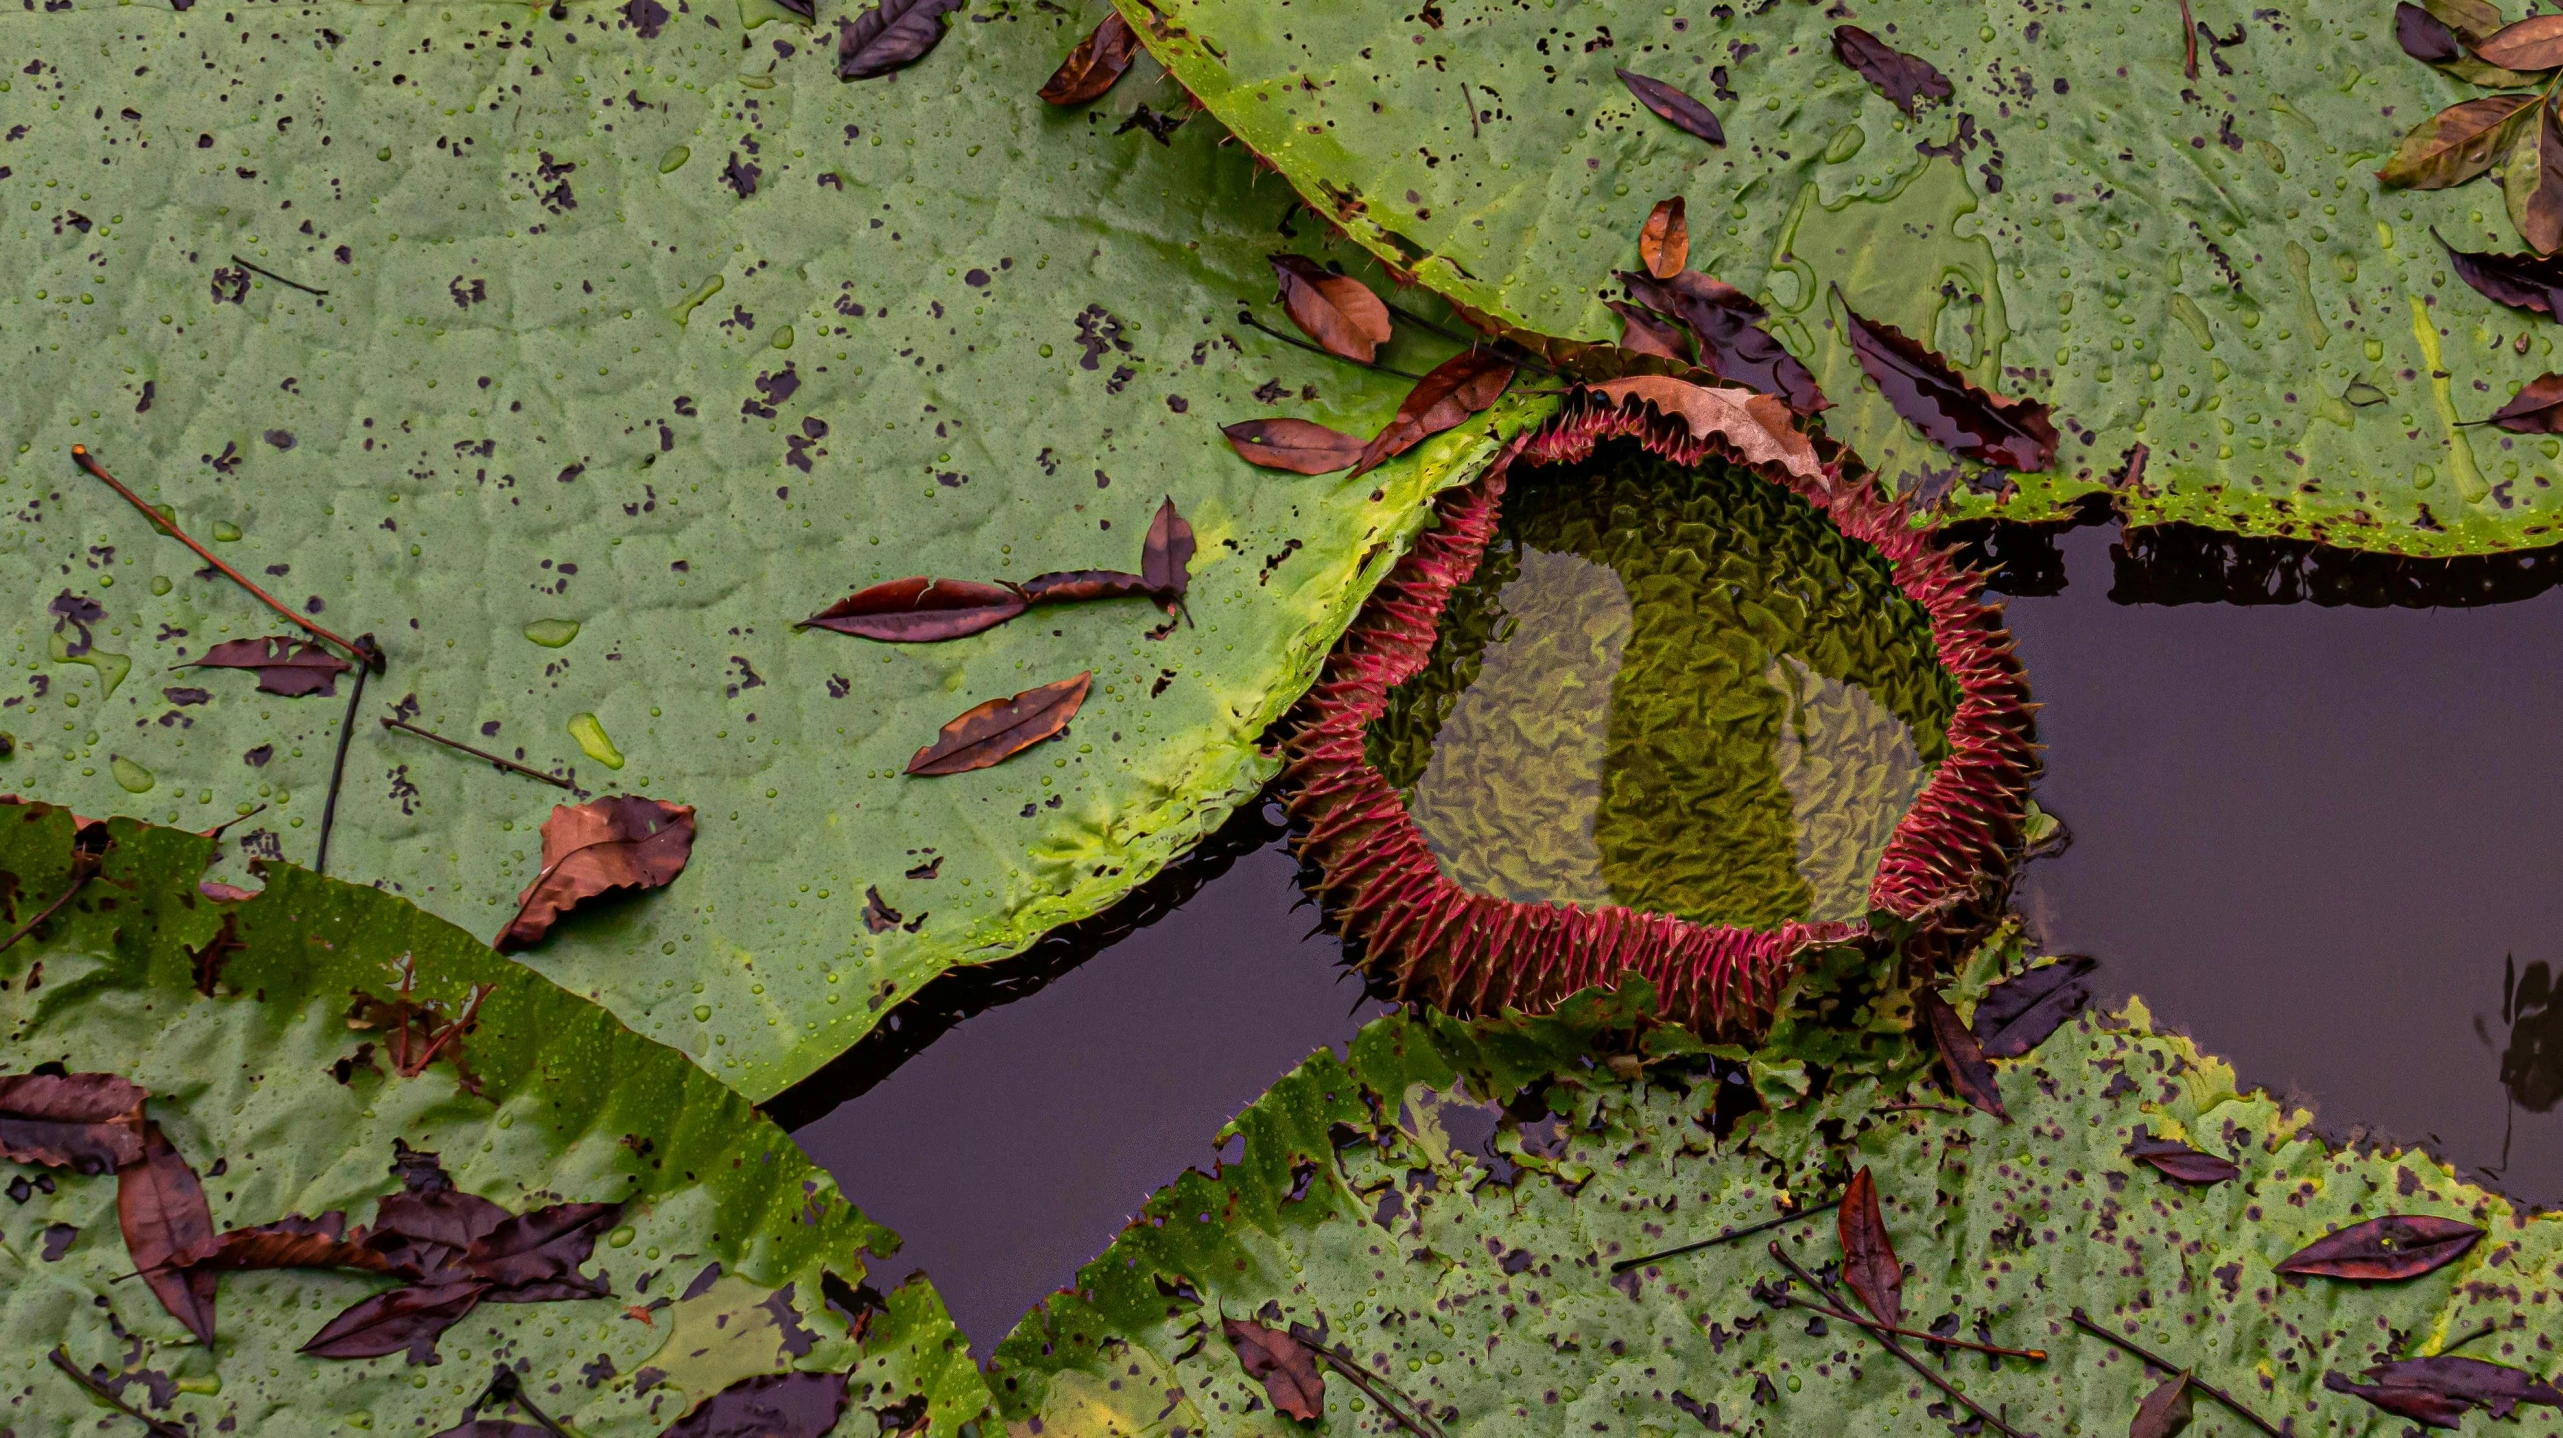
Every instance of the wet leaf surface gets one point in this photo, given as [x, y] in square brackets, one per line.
[1282, 1364]
[1299, 445]
[2527, 282]
[2180, 1161]
[1869, 1265]
[997, 730]
[889, 36]
[286, 667]
[1166, 556]
[90, 1123]
[2017, 1014]
[621, 841]
[1443, 399]
[1759, 428]
[2458, 143]
[1727, 324]
[1095, 65]
[1337, 311]
[1970, 1076]
[2381, 1250]
[2536, 409]
[920, 610]
[2165, 1411]
[1664, 244]
[773, 1405]
[1906, 80]
[1947, 406]
[1676, 105]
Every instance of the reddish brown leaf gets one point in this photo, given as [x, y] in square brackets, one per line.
[1337, 311]
[410, 1318]
[2497, 1387]
[999, 729]
[2019, 1013]
[90, 1123]
[1906, 80]
[2536, 409]
[1664, 245]
[1970, 1077]
[2442, 35]
[2383, 1249]
[1282, 1364]
[2421, 1405]
[294, 1242]
[1757, 427]
[1071, 586]
[545, 1245]
[2528, 282]
[1642, 331]
[1945, 405]
[1094, 65]
[2532, 179]
[772, 1405]
[1165, 560]
[892, 34]
[2165, 1411]
[2535, 43]
[168, 1227]
[2456, 144]
[284, 667]
[1673, 104]
[1443, 399]
[919, 610]
[2179, 1160]
[1728, 325]
[1298, 445]
[621, 841]
[1869, 1263]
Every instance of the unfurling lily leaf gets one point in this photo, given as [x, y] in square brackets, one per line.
[1337, 311]
[1945, 405]
[621, 841]
[999, 729]
[1758, 427]
[1664, 244]
[1906, 80]
[1671, 102]
[2383, 1249]
[1727, 322]
[2179, 1160]
[1282, 1364]
[168, 1227]
[2165, 1411]
[919, 610]
[892, 34]
[2019, 1013]
[2528, 282]
[287, 667]
[1165, 559]
[1301, 446]
[1969, 1075]
[1869, 1263]
[1069, 586]
[88, 1123]
[1443, 399]
[1095, 64]
[2536, 409]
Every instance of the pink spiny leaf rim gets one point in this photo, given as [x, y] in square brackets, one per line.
[1465, 952]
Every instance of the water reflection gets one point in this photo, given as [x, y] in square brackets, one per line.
[2532, 1065]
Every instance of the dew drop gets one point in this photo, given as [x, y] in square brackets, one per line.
[593, 742]
[552, 633]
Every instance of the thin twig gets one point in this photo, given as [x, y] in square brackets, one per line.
[100, 1391]
[508, 764]
[2188, 42]
[280, 279]
[1412, 318]
[1918, 1108]
[1917, 1365]
[412, 1068]
[2036, 1355]
[1254, 323]
[1420, 1427]
[81, 456]
[216, 831]
[2486, 1331]
[2083, 1321]
[83, 869]
[1730, 1236]
[346, 732]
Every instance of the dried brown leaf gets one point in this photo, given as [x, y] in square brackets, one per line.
[1443, 399]
[2537, 408]
[2497, 1387]
[890, 35]
[410, 1318]
[2179, 1160]
[543, 1246]
[2532, 179]
[1869, 1264]
[1298, 445]
[1676, 105]
[1642, 331]
[2017, 1014]
[1664, 245]
[2528, 282]
[1945, 405]
[999, 729]
[2456, 144]
[1906, 80]
[1072, 586]
[1095, 64]
[1337, 311]
[1728, 325]
[1165, 560]
[2535, 43]
[294, 1242]
[1283, 1364]
[621, 841]
[2165, 1411]
[168, 1228]
[285, 667]
[919, 610]
[1970, 1077]
[89, 1122]
[1759, 428]
[2384, 1249]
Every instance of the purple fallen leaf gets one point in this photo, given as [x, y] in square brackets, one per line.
[1676, 105]
[1869, 1264]
[1299, 445]
[2179, 1160]
[1930, 394]
[2017, 1014]
[1282, 1364]
[1165, 559]
[770, 1405]
[2421, 1405]
[892, 34]
[285, 667]
[1969, 1075]
[168, 1228]
[2165, 1411]
[1906, 80]
[2523, 281]
[2384, 1249]
[407, 1319]
[919, 610]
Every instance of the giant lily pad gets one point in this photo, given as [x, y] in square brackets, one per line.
[1445, 1208]
[268, 1033]
[2203, 266]
[576, 356]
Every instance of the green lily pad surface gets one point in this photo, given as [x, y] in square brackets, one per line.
[1681, 691]
[1448, 1202]
[643, 337]
[2206, 267]
[719, 1263]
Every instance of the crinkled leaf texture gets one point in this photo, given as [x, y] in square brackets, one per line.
[956, 331]
[248, 1088]
[2066, 226]
[1448, 1200]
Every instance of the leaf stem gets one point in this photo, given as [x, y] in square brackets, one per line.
[1729, 1236]
[1253, 323]
[2083, 1321]
[1884, 1341]
[81, 456]
[83, 869]
[106, 1395]
[1353, 1372]
[216, 831]
[2035, 1355]
[280, 279]
[369, 659]
[507, 764]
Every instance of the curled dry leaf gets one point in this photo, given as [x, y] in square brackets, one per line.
[1094, 65]
[2165, 1411]
[2527, 282]
[771, 1405]
[892, 34]
[2456, 144]
[1945, 405]
[539, 1248]
[2019, 1013]
[2421, 1405]
[1906, 80]
[1337, 311]
[285, 667]
[1869, 1264]
[2536, 409]
[2535, 43]
[1671, 102]
[2442, 35]
[1969, 1075]
[1165, 559]
[1664, 245]
[999, 729]
[1298, 445]
[1641, 332]
[1727, 322]
[919, 610]
[168, 1228]
[294, 1242]
[2496, 1387]
[2179, 1160]
[2384, 1249]
[2532, 178]
[1443, 399]
[90, 1123]
[621, 841]
[1757, 427]
[407, 1319]
[1069, 586]
[1282, 1364]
